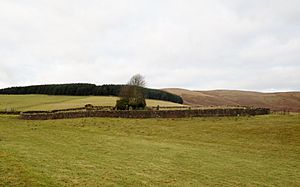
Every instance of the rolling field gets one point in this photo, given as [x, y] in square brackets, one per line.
[233, 151]
[45, 102]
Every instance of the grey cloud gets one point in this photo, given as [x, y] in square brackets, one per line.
[193, 44]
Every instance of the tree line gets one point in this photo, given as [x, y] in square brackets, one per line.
[83, 89]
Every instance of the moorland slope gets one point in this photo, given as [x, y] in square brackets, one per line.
[289, 101]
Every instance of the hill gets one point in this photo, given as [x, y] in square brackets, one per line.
[47, 102]
[289, 101]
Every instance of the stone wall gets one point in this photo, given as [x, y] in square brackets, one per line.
[10, 112]
[147, 114]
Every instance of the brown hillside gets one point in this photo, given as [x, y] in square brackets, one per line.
[289, 101]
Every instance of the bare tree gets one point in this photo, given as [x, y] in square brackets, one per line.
[132, 94]
[137, 80]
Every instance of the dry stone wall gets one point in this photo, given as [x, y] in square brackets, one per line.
[147, 114]
[10, 112]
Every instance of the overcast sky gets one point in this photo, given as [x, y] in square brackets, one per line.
[193, 44]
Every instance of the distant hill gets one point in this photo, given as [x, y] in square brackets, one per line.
[280, 101]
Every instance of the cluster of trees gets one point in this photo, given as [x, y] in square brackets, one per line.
[88, 89]
[133, 94]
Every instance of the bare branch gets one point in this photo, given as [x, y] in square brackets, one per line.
[137, 80]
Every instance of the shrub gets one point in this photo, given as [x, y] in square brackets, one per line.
[137, 103]
[122, 104]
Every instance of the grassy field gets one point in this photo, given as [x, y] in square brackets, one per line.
[45, 102]
[233, 151]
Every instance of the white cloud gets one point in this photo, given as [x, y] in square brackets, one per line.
[193, 44]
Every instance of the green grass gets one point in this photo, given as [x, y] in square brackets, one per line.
[45, 102]
[233, 151]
